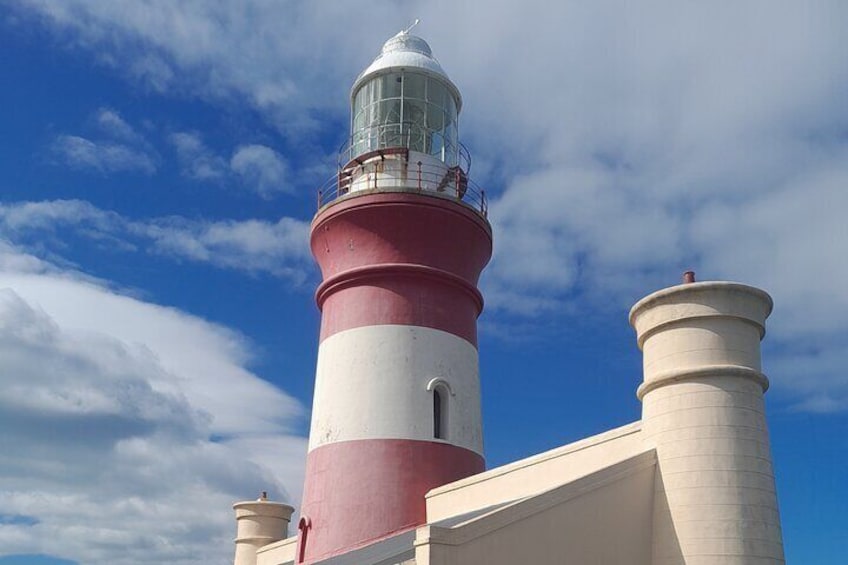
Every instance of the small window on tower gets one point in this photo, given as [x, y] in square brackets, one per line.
[439, 414]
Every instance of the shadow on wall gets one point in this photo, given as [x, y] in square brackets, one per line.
[665, 546]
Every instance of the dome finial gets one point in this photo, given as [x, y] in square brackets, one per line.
[407, 30]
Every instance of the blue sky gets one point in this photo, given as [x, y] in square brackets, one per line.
[158, 166]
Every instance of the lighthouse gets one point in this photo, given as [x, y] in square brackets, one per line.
[401, 238]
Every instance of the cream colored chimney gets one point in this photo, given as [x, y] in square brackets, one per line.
[258, 523]
[703, 411]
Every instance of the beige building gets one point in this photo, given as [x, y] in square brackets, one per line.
[690, 483]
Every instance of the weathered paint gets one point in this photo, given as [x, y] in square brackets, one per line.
[361, 491]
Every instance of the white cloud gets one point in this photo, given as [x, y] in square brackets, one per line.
[255, 167]
[261, 168]
[110, 407]
[112, 124]
[627, 143]
[101, 156]
[252, 245]
[216, 50]
[49, 215]
[152, 71]
[256, 246]
[120, 147]
[197, 161]
[623, 143]
[790, 241]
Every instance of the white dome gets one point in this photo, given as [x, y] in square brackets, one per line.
[405, 51]
[404, 41]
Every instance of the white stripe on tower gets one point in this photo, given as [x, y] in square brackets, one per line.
[386, 369]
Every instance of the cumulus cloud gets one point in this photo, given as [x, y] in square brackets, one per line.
[21, 217]
[664, 108]
[103, 157]
[256, 246]
[127, 425]
[119, 147]
[788, 240]
[213, 50]
[197, 161]
[253, 167]
[261, 168]
[621, 143]
[279, 248]
[636, 142]
[626, 161]
[111, 123]
[625, 143]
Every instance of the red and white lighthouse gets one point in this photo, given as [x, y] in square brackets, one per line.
[401, 238]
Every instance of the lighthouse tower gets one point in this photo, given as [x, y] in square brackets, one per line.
[401, 237]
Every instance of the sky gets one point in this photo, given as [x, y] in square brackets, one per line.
[158, 170]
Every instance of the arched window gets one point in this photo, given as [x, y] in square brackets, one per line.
[437, 415]
[440, 413]
[442, 394]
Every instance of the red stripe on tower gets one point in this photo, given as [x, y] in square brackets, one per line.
[396, 258]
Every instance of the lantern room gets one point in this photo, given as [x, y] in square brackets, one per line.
[405, 99]
[404, 129]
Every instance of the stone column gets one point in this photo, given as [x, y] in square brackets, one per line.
[258, 523]
[703, 411]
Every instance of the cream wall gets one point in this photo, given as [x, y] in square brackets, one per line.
[602, 518]
[279, 553]
[535, 474]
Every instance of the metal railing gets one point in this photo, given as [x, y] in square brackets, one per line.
[389, 170]
[405, 134]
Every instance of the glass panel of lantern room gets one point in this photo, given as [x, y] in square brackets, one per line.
[414, 86]
[415, 121]
[356, 143]
[445, 123]
[436, 127]
[405, 109]
[360, 121]
[450, 106]
[375, 90]
[436, 93]
[388, 117]
[451, 144]
[435, 118]
[392, 85]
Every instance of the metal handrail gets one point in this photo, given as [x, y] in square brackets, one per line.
[431, 179]
[403, 134]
